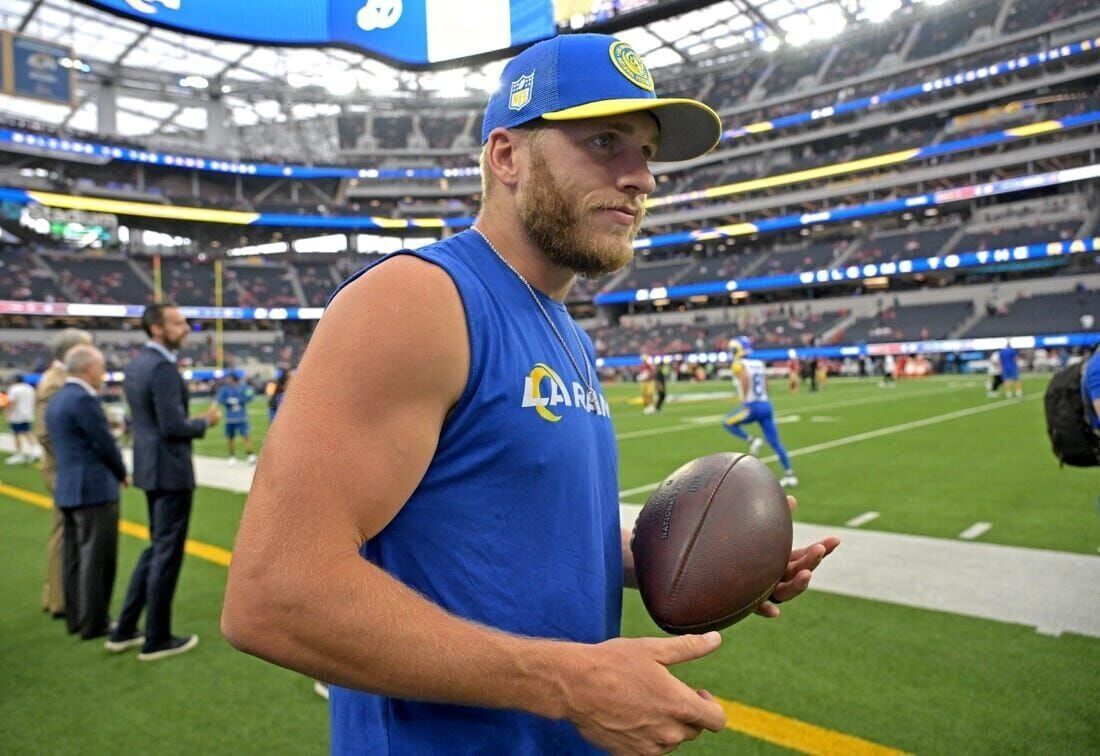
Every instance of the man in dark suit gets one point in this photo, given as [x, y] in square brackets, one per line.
[89, 472]
[163, 432]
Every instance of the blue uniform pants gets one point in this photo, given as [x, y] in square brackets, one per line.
[761, 414]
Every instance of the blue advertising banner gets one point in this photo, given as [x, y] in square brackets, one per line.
[415, 33]
[36, 70]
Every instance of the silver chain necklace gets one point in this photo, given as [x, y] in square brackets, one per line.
[589, 384]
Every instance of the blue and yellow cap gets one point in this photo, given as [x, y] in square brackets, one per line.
[575, 76]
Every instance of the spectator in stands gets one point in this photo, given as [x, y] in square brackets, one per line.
[420, 416]
[53, 595]
[158, 399]
[90, 474]
[21, 417]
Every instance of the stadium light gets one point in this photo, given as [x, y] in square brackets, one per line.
[770, 43]
[194, 82]
[341, 83]
[877, 11]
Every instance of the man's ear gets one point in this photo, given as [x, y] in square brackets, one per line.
[502, 156]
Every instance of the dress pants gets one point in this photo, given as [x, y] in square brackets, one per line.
[53, 591]
[89, 561]
[158, 568]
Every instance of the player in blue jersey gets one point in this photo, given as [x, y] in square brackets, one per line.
[435, 526]
[1090, 388]
[751, 380]
[1010, 371]
[234, 397]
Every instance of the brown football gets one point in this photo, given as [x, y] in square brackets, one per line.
[711, 543]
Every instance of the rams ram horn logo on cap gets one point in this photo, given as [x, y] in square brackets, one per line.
[630, 65]
[521, 91]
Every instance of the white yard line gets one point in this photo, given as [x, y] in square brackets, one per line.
[862, 519]
[975, 530]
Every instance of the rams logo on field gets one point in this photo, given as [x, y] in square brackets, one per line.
[521, 92]
[544, 390]
[630, 65]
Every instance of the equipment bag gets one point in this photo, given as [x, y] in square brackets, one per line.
[1072, 438]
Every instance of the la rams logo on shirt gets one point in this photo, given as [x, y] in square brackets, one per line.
[630, 65]
[546, 392]
[520, 93]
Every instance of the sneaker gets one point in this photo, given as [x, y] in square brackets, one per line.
[789, 480]
[649, 410]
[16, 459]
[754, 446]
[231, 461]
[251, 459]
[176, 645]
[320, 689]
[116, 644]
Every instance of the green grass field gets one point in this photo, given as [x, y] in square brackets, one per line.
[905, 678]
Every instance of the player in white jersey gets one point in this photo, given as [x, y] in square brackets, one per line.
[21, 416]
[750, 378]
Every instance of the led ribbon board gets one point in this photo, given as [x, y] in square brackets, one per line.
[411, 33]
[354, 222]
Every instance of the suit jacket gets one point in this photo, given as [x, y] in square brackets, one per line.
[49, 384]
[159, 399]
[89, 465]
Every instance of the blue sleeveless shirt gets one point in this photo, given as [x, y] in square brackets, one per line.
[516, 522]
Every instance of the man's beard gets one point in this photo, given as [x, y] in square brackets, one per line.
[554, 224]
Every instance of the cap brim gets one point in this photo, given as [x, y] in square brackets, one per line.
[688, 127]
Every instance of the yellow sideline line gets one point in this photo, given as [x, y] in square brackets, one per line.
[199, 549]
[757, 723]
[796, 735]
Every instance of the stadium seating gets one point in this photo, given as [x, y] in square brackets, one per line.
[931, 321]
[1027, 14]
[23, 278]
[1068, 312]
[317, 280]
[105, 280]
[952, 26]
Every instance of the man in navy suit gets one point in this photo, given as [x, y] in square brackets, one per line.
[89, 473]
[163, 432]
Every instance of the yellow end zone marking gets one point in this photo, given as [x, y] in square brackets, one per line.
[757, 723]
[796, 735]
[214, 554]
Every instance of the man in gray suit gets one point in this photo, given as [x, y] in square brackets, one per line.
[163, 432]
[53, 596]
[89, 474]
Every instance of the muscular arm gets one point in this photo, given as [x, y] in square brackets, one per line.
[355, 435]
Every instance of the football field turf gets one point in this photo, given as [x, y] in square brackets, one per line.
[834, 674]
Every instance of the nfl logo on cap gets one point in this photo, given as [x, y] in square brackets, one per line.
[521, 91]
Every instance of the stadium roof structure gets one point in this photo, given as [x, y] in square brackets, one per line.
[164, 79]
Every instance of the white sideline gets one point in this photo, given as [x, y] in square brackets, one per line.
[1052, 591]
